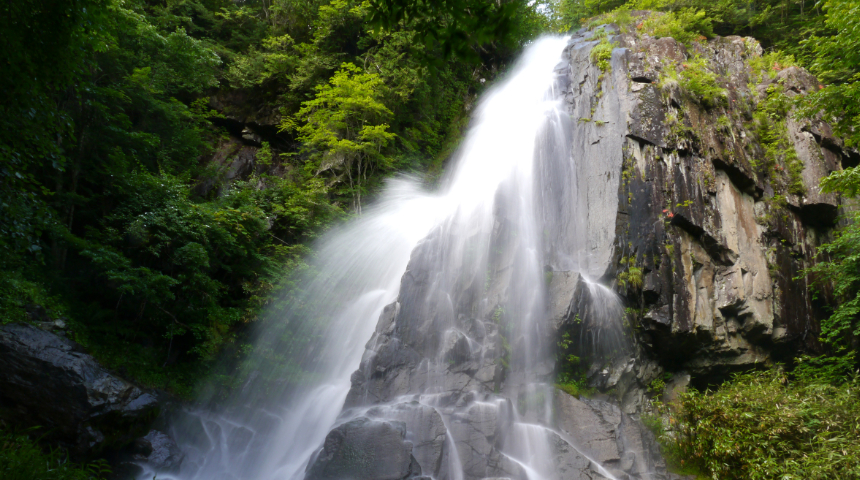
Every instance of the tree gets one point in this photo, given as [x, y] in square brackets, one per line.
[837, 62]
[344, 127]
[458, 26]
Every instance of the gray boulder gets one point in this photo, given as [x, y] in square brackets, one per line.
[159, 451]
[365, 449]
[49, 381]
[618, 441]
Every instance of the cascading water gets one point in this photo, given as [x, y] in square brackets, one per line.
[451, 290]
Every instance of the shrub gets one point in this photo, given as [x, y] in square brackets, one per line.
[686, 25]
[762, 425]
[601, 54]
[21, 458]
[17, 292]
[701, 83]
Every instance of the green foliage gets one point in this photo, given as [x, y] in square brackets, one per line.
[570, 368]
[839, 270]
[773, 22]
[632, 275]
[762, 425]
[17, 292]
[767, 65]
[110, 197]
[275, 58]
[601, 54]
[21, 458]
[781, 159]
[700, 83]
[459, 27]
[577, 387]
[658, 385]
[836, 61]
[686, 25]
[344, 127]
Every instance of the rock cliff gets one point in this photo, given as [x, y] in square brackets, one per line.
[691, 191]
[718, 207]
[49, 381]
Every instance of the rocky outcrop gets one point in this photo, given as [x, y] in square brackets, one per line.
[366, 449]
[158, 451]
[671, 237]
[605, 434]
[232, 161]
[49, 381]
[710, 230]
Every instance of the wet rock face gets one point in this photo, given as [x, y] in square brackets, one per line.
[48, 381]
[616, 440]
[365, 449]
[159, 451]
[716, 229]
[672, 204]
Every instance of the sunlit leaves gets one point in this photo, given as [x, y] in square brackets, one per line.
[344, 126]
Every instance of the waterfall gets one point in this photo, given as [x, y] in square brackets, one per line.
[428, 313]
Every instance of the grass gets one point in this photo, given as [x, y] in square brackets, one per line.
[21, 458]
[701, 83]
[766, 425]
[576, 389]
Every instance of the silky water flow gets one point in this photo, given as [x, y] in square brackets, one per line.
[450, 288]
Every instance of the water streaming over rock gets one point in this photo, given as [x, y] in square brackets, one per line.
[423, 331]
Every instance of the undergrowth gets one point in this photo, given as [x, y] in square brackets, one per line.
[17, 293]
[701, 83]
[765, 425]
[21, 458]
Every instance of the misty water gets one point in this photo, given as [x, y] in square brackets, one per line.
[481, 243]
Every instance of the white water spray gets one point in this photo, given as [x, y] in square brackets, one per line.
[481, 241]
